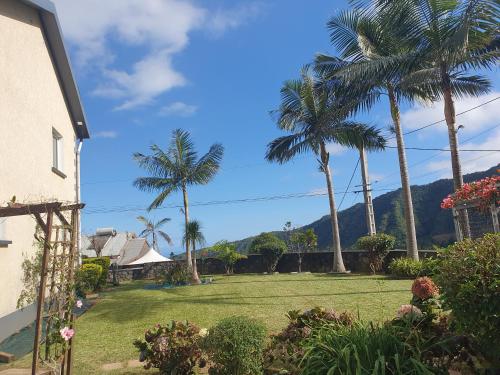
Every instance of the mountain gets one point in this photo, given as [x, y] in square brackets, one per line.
[434, 225]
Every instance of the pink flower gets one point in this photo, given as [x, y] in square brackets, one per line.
[79, 304]
[409, 311]
[67, 333]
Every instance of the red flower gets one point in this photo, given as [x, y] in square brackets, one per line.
[424, 288]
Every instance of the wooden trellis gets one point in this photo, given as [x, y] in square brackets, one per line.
[56, 298]
[479, 221]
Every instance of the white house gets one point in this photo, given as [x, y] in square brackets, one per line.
[42, 126]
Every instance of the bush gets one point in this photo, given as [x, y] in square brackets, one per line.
[178, 275]
[285, 351]
[104, 262]
[270, 247]
[88, 278]
[407, 267]
[367, 349]
[234, 346]
[227, 253]
[469, 280]
[377, 246]
[173, 349]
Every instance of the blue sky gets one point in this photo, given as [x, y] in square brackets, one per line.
[146, 67]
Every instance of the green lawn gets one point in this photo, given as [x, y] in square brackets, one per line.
[105, 333]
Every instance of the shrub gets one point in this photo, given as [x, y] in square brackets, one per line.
[177, 275]
[88, 277]
[270, 247]
[104, 262]
[367, 349]
[378, 246]
[227, 253]
[234, 346]
[469, 280]
[173, 348]
[285, 351]
[407, 267]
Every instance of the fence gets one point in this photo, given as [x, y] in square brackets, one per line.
[317, 262]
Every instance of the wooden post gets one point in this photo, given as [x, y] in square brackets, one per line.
[367, 193]
[41, 291]
[456, 221]
[494, 216]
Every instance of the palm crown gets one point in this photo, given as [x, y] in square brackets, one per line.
[152, 228]
[177, 167]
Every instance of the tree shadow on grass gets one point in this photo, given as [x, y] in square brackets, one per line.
[113, 311]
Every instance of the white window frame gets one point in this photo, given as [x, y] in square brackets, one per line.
[57, 153]
[3, 240]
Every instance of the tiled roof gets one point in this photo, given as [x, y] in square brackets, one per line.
[133, 249]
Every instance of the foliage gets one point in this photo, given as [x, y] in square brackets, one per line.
[226, 252]
[377, 246]
[469, 280]
[173, 348]
[484, 192]
[152, 228]
[105, 263]
[31, 268]
[235, 346]
[285, 351]
[270, 247]
[406, 267]
[301, 242]
[367, 349]
[178, 274]
[88, 277]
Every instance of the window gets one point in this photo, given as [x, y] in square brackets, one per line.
[3, 241]
[57, 153]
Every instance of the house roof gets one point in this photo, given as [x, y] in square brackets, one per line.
[55, 42]
[115, 244]
[133, 250]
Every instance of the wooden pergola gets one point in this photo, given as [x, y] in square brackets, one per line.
[57, 276]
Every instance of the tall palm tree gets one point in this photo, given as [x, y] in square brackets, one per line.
[194, 236]
[370, 53]
[175, 169]
[152, 228]
[315, 115]
[453, 37]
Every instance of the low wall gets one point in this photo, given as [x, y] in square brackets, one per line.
[317, 262]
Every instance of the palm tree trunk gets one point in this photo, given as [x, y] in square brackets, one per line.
[338, 262]
[186, 222]
[411, 235]
[458, 181]
[196, 277]
[367, 194]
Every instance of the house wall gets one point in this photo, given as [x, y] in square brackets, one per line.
[31, 104]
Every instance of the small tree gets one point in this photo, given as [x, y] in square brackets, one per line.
[227, 253]
[270, 247]
[378, 247]
[303, 242]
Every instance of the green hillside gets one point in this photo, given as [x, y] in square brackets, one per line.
[434, 225]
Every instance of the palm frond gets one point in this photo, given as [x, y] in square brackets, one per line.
[207, 167]
[284, 148]
[166, 237]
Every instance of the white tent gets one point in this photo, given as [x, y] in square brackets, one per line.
[152, 256]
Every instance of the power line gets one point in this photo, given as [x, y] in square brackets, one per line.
[349, 184]
[223, 202]
[443, 149]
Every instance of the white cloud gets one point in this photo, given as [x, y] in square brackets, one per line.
[178, 109]
[105, 134]
[162, 28]
[335, 149]
[471, 161]
[472, 121]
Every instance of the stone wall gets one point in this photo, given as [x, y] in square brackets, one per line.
[317, 262]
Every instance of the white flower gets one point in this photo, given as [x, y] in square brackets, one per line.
[79, 304]
[203, 332]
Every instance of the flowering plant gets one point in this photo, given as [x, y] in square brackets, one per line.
[424, 288]
[484, 191]
[409, 311]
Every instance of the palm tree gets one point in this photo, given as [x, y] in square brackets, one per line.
[453, 37]
[315, 115]
[176, 169]
[152, 228]
[371, 54]
[194, 236]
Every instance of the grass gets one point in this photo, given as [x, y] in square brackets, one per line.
[105, 333]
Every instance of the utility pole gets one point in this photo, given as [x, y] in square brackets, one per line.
[367, 193]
